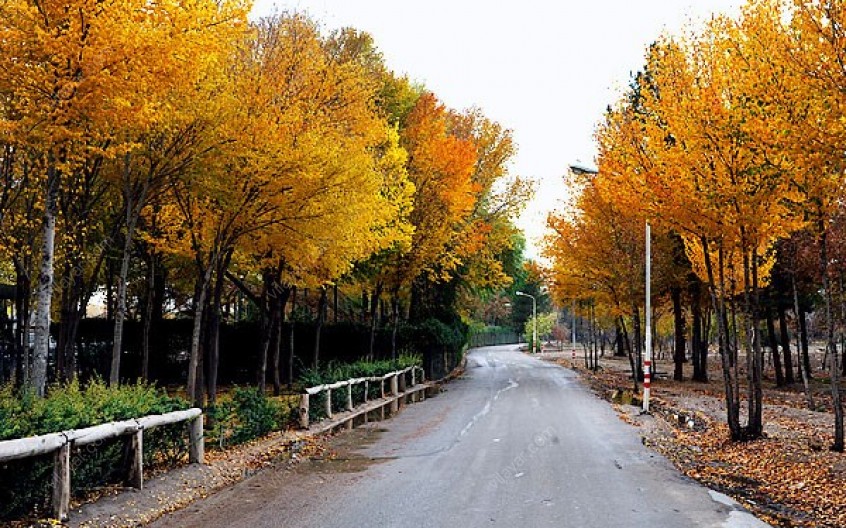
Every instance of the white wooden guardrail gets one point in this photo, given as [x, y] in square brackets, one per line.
[395, 379]
[60, 444]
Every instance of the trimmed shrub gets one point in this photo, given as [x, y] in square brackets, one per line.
[25, 485]
[245, 415]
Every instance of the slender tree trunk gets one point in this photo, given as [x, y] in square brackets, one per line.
[834, 369]
[22, 296]
[266, 309]
[706, 340]
[44, 289]
[638, 339]
[803, 336]
[395, 305]
[803, 373]
[148, 318]
[120, 303]
[374, 321]
[335, 303]
[755, 425]
[200, 291]
[628, 344]
[291, 330]
[214, 328]
[699, 352]
[718, 302]
[322, 306]
[620, 346]
[132, 210]
[785, 345]
[279, 317]
[679, 333]
[65, 318]
[773, 340]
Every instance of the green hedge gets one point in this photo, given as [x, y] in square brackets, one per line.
[334, 371]
[246, 415]
[25, 485]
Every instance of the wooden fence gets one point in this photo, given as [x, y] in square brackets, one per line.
[60, 445]
[397, 386]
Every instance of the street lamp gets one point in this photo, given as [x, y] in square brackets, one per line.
[534, 319]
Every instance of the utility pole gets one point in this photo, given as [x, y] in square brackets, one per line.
[647, 360]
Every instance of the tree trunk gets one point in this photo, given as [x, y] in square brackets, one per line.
[638, 340]
[200, 292]
[679, 332]
[44, 289]
[834, 369]
[65, 319]
[620, 346]
[803, 336]
[803, 373]
[718, 301]
[265, 313]
[374, 322]
[291, 329]
[335, 303]
[148, 318]
[785, 346]
[322, 306]
[755, 425]
[700, 365]
[120, 303]
[278, 318]
[23, 292]
[628, 344]
[132, 209]
[214, 328]
[395, 305]
[773, 340]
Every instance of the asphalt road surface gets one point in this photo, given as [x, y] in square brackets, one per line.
[516, 442]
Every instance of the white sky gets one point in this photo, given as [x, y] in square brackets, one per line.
[546, 69]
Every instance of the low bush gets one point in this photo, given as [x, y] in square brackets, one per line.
[244, 415]
[25, 484]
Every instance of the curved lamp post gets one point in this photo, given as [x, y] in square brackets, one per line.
[534, 320]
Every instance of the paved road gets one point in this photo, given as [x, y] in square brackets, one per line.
[517, 442]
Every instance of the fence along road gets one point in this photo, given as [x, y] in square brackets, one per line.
[516, 442]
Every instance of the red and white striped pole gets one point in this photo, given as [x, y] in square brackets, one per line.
[647, 360]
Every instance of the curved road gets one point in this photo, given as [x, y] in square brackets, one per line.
[515, 442]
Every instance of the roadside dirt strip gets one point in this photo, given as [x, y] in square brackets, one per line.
[788, 478]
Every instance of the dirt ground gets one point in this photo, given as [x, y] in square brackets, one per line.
[789, 477]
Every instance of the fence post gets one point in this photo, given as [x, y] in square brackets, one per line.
[197, 447]
[366, 389]
[304, 411]
[394, 394]
[349, 397]
[402, 386]
[61, 482]
[328, 403]
[382, 387]
[135, 459]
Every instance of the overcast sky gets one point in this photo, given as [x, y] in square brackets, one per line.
[545, 69]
